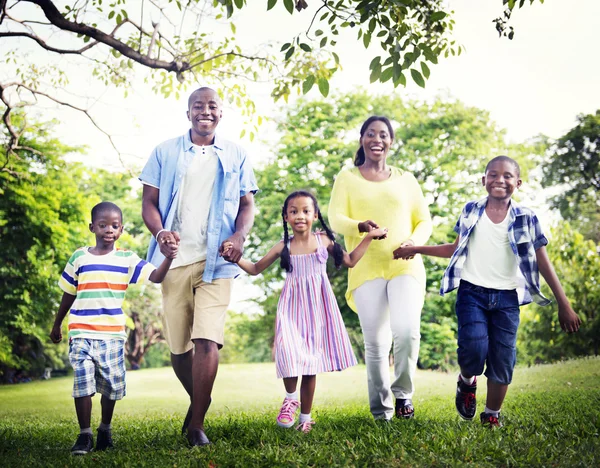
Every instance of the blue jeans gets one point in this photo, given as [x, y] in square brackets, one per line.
[487, 331]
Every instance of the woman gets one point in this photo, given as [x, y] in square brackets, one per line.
[388, 294]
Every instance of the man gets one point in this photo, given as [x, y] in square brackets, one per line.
[198, 194]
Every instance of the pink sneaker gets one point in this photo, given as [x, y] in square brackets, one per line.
[287, 413]
[305, 427]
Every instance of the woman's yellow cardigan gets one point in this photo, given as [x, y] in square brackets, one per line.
[397, 204]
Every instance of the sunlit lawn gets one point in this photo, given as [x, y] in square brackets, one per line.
[551, 417]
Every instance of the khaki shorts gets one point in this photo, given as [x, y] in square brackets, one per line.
[193, 309]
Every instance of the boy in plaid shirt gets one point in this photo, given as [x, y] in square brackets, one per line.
[495, 263]
[94, 282]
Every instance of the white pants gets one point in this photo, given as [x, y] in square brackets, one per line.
[390, 310]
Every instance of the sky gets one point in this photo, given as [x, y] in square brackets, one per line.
[537, 83]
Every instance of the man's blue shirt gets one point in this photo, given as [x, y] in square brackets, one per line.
[165, 170]
[525, 236]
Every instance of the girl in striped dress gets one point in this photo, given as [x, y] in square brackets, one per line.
[310, 336]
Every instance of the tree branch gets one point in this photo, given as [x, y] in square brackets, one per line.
[45, 45]
[58, 20]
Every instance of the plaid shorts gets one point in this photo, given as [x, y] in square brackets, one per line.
[99, 366]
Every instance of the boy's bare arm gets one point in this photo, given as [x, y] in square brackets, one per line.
[406, 252]
[64, 307]
[569, 321]
[158, 275]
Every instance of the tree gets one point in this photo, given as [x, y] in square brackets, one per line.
[445, 144]
[574, 166]
[577, 265]
[165, 39]
[43, 217]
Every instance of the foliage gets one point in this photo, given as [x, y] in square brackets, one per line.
[247, 339]
[574, 166]
[444, 143]
[577, 265]
[174, 43]
[550, 418]
[43, 218]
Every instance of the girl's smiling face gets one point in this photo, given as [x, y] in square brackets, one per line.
[376, 141]
[301, 214]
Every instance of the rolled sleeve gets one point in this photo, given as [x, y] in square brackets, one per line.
[536, 233]
[151, 173]
[247, 179]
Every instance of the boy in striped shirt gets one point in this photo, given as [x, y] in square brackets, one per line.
[94, 283]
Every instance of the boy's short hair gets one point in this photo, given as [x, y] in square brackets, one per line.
[106, 206]
[504, 158]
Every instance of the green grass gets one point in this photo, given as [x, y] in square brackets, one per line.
[551, 417]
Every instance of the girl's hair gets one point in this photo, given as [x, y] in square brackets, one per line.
[285, 260]
[359, 159]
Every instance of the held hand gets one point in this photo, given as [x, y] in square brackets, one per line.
[569, 320]
[168, 242]
[231, 249]
[367, 226]
[406, 251]
[378, 233]
[56, 334]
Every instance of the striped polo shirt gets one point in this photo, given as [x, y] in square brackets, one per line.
[99, 283]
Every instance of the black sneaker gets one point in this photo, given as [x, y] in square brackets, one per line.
[83, 445]
[104, 440]
[404, 408]
[466, 401]
[489, 420]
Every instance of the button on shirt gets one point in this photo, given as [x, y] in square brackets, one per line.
[234, 179]
[525, 237]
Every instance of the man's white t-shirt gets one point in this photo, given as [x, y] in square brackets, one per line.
[490, 262]
[195, 196]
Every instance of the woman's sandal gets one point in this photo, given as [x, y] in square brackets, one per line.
[404, 408]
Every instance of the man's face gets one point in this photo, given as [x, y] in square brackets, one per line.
[204, 112]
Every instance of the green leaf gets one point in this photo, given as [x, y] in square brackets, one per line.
[232, 27]
[318, 32]
[111, 15]
[375, 74]
[289, 6]
[239, 4]
[305, 47]
[289, 53]
[271, 4]
[425, 69]
[324, 86]
[375, 63]
[416, 76]
[242, 133]
[438, 15]
[367, 39]
[323, 42]
[387, 74]
[285, 46]
[308, 84]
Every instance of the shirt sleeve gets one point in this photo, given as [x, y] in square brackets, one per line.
[339, 208]
[139, 270]
[247, 179]
[535, 231]
[69, 279]
[151, 173]
[421, 218]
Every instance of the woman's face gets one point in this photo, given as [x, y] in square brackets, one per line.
[376, 141]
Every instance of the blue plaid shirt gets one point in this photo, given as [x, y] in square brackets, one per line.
[525, 237]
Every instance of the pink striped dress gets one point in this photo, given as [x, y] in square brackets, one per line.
[310, 336]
